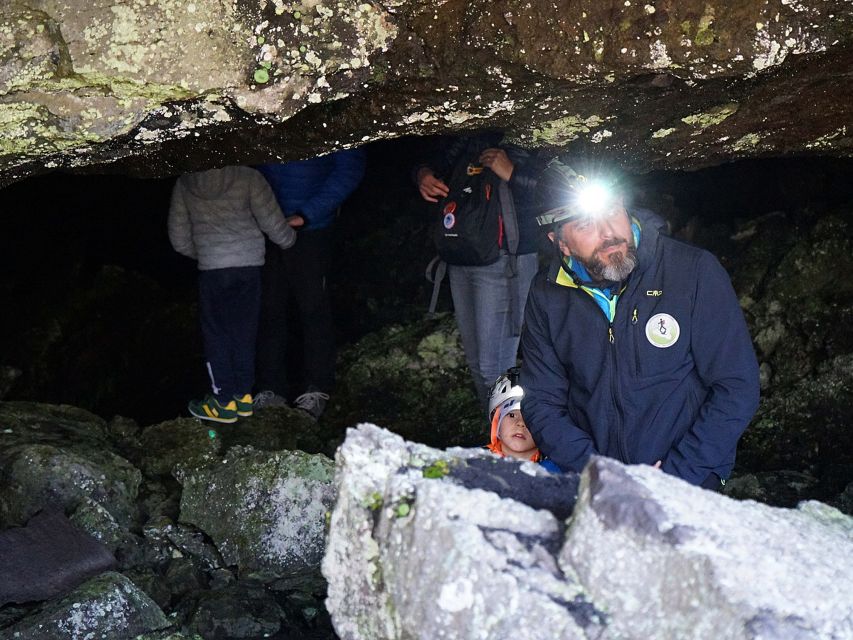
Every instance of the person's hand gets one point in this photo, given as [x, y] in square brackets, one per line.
[431, 188]
[295, 221]
[498, 161]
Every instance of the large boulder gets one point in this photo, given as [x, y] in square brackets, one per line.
[264, 511]
[418, 548]
[670, 560]
[62, 457]
[415, 551]
[108, 606]
[412, 379]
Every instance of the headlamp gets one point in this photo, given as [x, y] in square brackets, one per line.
[593, 199]
[582, 199]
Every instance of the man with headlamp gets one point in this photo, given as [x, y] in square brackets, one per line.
[635, 346]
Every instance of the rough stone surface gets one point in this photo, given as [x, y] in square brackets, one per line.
[108, 606]
[265, 511]
[60, 456]
[188, 442]
[414, 553]
[669, 560]
[657, 85]
[408, 377]
[235, 612]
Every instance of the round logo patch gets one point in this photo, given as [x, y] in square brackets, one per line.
[449, 220]
[662, 330]
[450, 207]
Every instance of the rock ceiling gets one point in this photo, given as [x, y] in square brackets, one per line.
[157, 87]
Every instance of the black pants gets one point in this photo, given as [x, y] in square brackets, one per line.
[229, 303]
[297, 276]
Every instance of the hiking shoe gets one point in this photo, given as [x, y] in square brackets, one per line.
[269, 398]
[210, 409]
[313, 403]
[245, 407]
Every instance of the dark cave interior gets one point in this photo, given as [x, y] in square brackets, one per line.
[96, 299]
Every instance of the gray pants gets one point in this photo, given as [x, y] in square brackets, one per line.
[481, 303]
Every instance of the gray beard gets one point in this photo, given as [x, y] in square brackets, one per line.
[617, 269]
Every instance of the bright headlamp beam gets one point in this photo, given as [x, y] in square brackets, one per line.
[593, 199]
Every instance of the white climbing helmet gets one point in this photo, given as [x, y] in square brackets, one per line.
[505, 388]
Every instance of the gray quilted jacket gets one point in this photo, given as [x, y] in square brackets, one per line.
[219, 218]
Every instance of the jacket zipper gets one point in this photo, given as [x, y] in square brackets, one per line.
[614, 396]
[634, 320]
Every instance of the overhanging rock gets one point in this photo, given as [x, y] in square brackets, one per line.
[161, 88]
[459, 544]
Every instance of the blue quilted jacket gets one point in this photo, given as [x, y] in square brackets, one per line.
[316, 187]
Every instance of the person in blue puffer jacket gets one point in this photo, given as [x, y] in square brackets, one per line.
[313, 189]
[635, 346]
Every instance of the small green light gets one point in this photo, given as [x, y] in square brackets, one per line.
[211, 434]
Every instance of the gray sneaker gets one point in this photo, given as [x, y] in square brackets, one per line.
[313, 403]
[268, 398]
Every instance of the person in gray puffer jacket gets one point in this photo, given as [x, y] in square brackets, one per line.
[219, 218]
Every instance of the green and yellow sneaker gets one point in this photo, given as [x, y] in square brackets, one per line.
[245, 405]
[210, 409]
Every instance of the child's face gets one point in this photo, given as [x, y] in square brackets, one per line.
[515, 438]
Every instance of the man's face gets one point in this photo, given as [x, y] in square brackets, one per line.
[604, 244]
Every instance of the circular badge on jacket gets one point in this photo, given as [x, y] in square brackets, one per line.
[662, 330]
[449, 220]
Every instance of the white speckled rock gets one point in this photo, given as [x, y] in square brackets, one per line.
[669, 560]
[107, 606]
[416, 550]
[265, 511]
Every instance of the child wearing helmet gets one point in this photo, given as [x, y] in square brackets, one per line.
[509, 434]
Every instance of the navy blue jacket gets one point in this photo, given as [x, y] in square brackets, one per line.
[316, 187]
[686, 404]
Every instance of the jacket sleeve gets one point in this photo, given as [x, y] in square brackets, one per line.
[526, 172]
[546, 391]
[349, 165]
[268, 214]
[179, 224]
[726, 363]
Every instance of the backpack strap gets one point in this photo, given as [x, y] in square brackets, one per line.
[510, 221]
[436, 279]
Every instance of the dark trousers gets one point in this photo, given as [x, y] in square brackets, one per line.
[297, 276]
[229, 305]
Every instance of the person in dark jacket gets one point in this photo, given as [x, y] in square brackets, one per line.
[635, 346]
[487, 302]
[313, 189]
